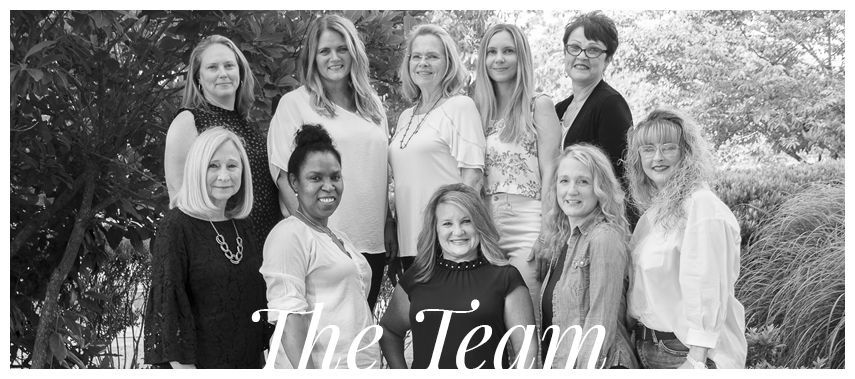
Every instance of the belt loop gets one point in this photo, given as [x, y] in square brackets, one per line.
[653, 334]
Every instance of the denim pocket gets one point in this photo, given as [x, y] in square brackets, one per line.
[673, 347]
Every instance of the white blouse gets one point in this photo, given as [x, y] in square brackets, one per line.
[302, 268]
[683, 281]
[449, 138]
[363, 147]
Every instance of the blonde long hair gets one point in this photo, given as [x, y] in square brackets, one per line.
[368, 104]
[470, 202]
[518, 117]
[695, 167]
[610, 196]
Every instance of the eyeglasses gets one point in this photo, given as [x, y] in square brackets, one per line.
[430, 58]
[591, 52]
[668, 150]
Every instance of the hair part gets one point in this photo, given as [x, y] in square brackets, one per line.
[470, 202]
[607, 189]
[368, 104]
[193, 198]
[667, 125]
[519, 120]
[455, 77]
[598, 27]
[194, 97]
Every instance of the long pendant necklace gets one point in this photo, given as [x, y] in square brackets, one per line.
[312, 224]
[232, 257]
[406, 142]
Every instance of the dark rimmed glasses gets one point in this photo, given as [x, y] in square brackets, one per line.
[591, 52]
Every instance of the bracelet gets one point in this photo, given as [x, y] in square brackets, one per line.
[695, 364]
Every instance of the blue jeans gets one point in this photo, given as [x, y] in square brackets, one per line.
[665, 354]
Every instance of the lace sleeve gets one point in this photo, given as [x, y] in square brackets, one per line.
[169, 325]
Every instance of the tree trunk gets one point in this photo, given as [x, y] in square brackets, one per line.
[50, 305]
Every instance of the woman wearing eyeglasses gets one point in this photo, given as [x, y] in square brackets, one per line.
[685, 251]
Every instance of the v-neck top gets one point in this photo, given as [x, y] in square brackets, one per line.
[304, 268]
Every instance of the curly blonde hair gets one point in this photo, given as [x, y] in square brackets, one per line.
[665, 125]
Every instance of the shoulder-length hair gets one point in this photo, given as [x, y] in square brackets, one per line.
[368, 104]
[455, 76]
[470, 202]
[193, 198]
[193, 95]
[664, 125]
[518, 117]
[607, 189]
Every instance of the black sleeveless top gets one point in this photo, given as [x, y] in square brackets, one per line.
[265, 208]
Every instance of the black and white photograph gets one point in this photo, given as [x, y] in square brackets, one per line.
[564, 188]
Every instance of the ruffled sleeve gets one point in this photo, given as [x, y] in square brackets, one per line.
[464, 134]
[708, 255]
[287, 256]
[169, 323]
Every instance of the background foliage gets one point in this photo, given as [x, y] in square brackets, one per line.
[92, 93]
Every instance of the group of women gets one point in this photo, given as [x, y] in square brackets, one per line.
[502, 225]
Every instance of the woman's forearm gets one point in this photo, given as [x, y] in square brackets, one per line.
[393, 349]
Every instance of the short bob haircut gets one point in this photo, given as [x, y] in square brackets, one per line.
[664, 125]
[519, 120]
[607, 189]
[368, 104]
[470, 202]
[598, 27]
[194, 97]
[193, 198]
[455, 77]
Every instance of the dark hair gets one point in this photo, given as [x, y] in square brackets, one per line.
[598, 27]
[310, 139]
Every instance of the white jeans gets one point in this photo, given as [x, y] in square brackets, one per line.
[517, 219]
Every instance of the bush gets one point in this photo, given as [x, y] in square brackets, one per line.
[754, 194]
[793, 276]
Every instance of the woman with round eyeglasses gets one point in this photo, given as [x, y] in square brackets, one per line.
[337, 94]
[685, 251]
[439, 140]
[595, 113]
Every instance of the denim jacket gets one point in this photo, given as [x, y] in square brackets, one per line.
[592, 291]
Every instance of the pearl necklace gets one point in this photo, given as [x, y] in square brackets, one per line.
[403, 143]
[235, 258]
[323, 229]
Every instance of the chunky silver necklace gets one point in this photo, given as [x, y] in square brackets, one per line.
[323, 229]
[404, 143]
[232, 257]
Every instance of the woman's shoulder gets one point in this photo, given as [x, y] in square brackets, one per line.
[298, 96]
[460, 102]
[703, 203]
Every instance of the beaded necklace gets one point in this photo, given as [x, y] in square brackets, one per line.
[323, 229]
[403, 144]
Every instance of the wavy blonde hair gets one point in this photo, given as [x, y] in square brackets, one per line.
[368, 104]
[607, 189]
[455, 77]
[665, 125]
[518, 117]
[470, 202]
[193, 96]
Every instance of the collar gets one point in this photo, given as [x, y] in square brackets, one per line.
[589, 223]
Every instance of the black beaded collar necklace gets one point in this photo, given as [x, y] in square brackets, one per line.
[460, 266]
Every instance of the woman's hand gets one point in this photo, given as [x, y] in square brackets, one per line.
[696, 358]
[178, 365]
[542, 257]
[390, 239]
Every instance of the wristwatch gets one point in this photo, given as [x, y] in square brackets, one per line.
[695, 364]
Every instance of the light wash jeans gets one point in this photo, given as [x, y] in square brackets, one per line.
[517, 219]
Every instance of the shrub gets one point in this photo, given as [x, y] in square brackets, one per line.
[753, 194]
[793, 276]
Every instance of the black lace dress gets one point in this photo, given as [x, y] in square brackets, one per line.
[453, 287]
[200, 304]
[265, 207]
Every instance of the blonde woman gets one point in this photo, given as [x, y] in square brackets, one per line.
[219, 92]
[586, 231]
[439, 140]
[685, 251]
[521, 132]
[205, 283]
[337, 94]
